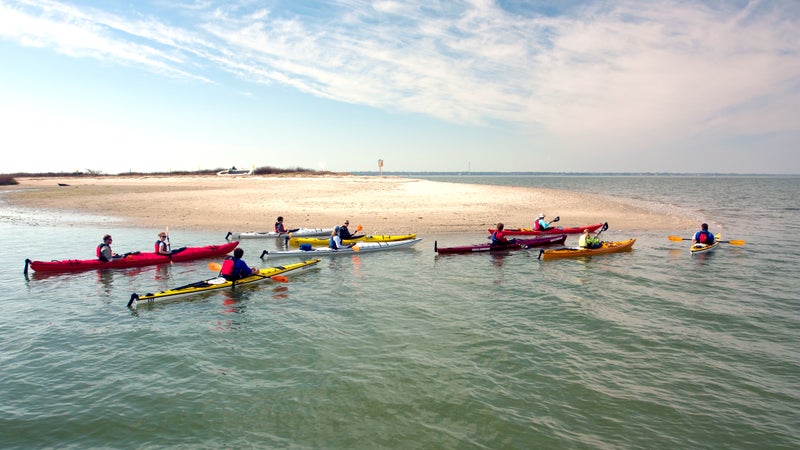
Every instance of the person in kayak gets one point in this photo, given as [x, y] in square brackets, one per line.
[161, 245]
[499, 236]
[540, 224]
[344, 233]
[703, 236]
[104, 252]
[335, 241]
[586, 241]
[234, 268]
[280, 228]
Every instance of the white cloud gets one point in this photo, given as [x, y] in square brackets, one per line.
[609, 71]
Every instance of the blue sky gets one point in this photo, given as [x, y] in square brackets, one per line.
[663, 86]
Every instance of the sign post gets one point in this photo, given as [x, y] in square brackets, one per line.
[380, 167]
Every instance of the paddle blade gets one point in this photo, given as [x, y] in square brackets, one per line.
[214, 266]
[359, 228]
[736, 242]
[279, 278]
[355, 248]
[676, 238]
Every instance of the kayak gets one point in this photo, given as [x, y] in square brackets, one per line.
[577, 252]
[361, 247]
[134, 259]
[363, 238]
[217, 283]
[300, 232]
[700, 248]
[557, 230]
[516, 245]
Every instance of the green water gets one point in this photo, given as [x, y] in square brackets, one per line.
[406, 349]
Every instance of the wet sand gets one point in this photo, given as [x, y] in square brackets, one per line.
[382, 205]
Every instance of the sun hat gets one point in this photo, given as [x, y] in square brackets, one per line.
[541, 215]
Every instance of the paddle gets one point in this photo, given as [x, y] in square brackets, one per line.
[604, 228]
[278, 278]
[169, 246]
[730, 241]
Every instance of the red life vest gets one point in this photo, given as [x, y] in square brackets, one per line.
[703, 238]
[227, 267]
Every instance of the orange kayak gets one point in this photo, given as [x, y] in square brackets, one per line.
[577, 252]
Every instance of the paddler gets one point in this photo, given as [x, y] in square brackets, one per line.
[586, 241]
[499, 236]
[703, 236]
[161, 245]
[344, 233]
[540, 224]
[104, 252]
[280, 228]
[234, 267]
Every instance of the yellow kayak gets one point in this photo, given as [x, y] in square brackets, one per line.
[217, 283]
[364, 238]
[577, 252]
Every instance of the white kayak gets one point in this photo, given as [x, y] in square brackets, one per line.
[300, 232]
[361, 247]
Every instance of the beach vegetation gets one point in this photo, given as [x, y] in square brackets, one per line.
[268, 170]
[7, 180]
[263, 170]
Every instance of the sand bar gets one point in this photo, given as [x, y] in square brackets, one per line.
[382, 205]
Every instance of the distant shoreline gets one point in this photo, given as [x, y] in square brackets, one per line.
[571, 174]
[382, 205]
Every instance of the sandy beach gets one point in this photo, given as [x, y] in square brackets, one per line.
[382, 205]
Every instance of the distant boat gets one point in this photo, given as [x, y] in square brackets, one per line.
[235, 171]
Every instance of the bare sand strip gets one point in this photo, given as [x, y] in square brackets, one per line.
[383, 205]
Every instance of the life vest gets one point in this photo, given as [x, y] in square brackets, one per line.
[157, 246]
[499, 238]
[703, 237]
[227, 267]
[537, 225]
[279, 227]
[99, 252]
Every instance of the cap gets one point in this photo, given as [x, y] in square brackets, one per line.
[541, 215]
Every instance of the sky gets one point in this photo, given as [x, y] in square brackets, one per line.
[479, 85]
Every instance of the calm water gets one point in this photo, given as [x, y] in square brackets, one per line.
[650, 349]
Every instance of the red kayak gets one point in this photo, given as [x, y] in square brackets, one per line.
[557, 230]
[516, 245]
[135, 259]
